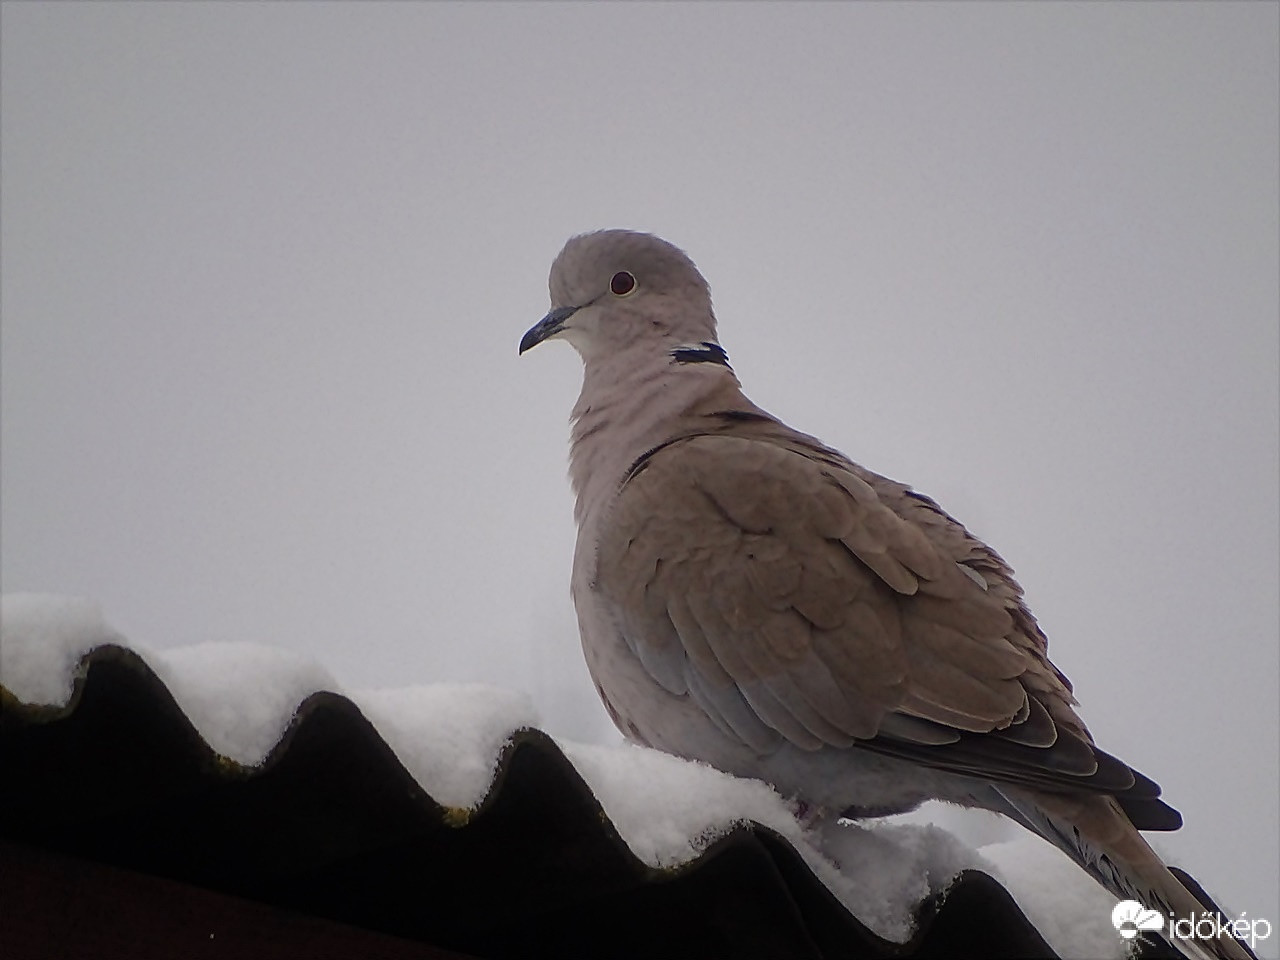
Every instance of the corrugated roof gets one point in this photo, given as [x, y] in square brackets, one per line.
[333, 826]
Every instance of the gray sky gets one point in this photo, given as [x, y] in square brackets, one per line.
[265, 268]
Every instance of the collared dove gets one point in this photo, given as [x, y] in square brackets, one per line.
[750, 597]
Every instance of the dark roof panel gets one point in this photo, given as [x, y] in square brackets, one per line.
[331, 825]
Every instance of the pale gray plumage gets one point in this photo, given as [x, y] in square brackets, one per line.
[749, 597]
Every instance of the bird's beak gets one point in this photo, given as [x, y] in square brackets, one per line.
[546, 328]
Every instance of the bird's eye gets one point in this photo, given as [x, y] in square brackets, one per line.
[622, 283]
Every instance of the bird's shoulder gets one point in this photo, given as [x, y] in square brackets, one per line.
[762, 474]
[739, 488]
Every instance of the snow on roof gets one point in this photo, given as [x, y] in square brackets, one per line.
[242, 698]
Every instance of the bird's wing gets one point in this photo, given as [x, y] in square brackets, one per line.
[796, 596]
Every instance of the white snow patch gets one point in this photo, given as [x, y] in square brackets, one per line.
[888, 868]
[667, 809]
[42, 638]
[241, 698]
[1071, 910]
[448, 736]
[977, 828]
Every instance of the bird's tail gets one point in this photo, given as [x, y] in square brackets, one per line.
[1095, 832]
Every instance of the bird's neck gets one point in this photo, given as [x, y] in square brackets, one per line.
[625, 410]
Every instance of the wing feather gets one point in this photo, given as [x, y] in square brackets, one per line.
[796, 596]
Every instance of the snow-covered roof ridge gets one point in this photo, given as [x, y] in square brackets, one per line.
[457, 741]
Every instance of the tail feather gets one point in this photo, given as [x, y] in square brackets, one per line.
[1095, 832]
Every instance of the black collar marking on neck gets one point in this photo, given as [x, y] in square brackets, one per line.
[705, 352]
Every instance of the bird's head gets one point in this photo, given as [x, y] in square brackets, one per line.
[616, 290]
